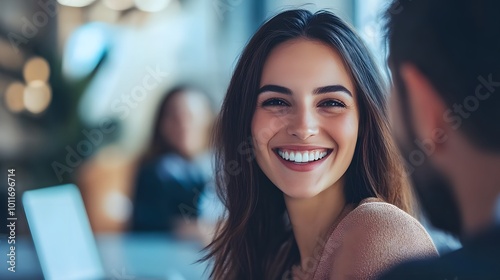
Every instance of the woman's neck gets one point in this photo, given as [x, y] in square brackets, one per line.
[311, 219]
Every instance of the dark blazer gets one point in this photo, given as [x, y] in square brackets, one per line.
[479, 259]
[167, 189]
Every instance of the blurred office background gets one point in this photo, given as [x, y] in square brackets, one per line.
[81, 82]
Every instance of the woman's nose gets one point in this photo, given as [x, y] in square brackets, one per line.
[303, 124]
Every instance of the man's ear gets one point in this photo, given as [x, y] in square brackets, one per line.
[426, 105]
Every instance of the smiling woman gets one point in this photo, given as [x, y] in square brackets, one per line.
[319, 192]
[307, 91]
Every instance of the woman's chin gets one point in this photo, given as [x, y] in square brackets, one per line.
[300, 192]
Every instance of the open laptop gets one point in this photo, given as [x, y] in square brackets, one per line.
[62, 235]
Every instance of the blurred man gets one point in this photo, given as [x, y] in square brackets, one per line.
[445, 60]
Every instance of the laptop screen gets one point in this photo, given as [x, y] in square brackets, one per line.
[61, 233]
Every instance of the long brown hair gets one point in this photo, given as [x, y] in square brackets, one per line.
[255, 240]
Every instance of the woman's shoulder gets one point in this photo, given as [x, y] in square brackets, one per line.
[379, 223]
[373, 237]
[376, 213]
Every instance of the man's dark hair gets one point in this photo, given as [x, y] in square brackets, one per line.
[456, 45]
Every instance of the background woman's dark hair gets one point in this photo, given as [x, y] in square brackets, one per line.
[255, 241]
[158, 145]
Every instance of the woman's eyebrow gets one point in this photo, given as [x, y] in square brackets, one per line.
[319, 90]
[332, 88]
[275, 88]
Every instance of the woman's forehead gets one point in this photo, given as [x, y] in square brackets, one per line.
[305, 63]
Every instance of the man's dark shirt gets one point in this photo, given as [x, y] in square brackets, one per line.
[479, 259]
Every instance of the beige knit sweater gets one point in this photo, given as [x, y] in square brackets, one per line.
[366, 241]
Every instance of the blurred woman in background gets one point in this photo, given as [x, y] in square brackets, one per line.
[306, 166]
[176, 168]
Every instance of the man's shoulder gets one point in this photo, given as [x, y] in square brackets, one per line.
[478, 259]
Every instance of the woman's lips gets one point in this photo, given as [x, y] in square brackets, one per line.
[301, 156]
[303, 159]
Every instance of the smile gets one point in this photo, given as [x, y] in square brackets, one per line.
[303, 156]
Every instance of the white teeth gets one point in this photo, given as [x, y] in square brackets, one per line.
[299, 157]
[305, 157]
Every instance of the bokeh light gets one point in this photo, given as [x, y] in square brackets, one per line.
[36, 69]
[151, 5]
[14, 97]
[37, 96]
[75, 3]
[118, 206]
[119, 5]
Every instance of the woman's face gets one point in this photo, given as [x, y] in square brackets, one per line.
[186, 123]
[305, 124]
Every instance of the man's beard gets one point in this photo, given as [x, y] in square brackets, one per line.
[436, 198]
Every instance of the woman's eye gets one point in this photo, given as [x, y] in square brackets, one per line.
[274, 102]
[331, 103]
